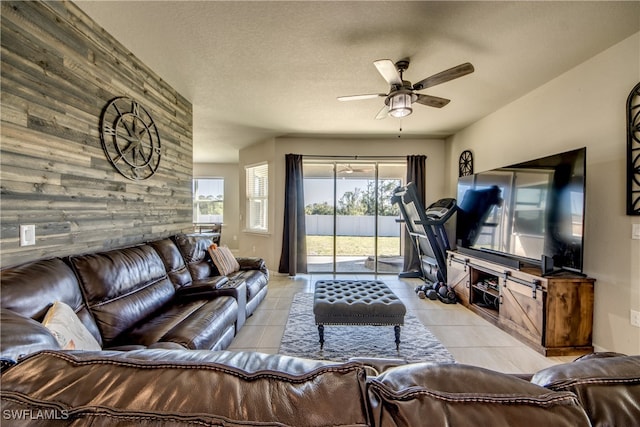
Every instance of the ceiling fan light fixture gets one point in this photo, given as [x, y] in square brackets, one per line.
[400, 105]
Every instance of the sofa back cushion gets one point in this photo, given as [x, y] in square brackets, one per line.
[122, 287]
[31, 289]
[607, 387]
[173, 262]
[194, 250]
[165, 387]
[456, 394]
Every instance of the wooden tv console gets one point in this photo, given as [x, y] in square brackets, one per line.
[552, 314]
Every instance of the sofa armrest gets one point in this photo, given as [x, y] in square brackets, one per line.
[21, 336]
[607, 386]
[203, 288]
[250, 263]
[253, 263]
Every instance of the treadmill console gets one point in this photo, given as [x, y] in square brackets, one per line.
[441, 210]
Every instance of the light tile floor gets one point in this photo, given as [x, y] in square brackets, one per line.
[469, 338]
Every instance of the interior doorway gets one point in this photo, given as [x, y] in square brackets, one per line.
[351, 224]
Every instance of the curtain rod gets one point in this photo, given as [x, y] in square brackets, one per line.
[317, 156]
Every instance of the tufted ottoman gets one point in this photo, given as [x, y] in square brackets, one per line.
[357, 302]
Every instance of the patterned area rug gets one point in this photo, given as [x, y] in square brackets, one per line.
[342, 342]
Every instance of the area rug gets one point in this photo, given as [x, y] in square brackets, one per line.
[343, 342]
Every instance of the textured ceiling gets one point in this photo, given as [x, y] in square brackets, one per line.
[255, 70]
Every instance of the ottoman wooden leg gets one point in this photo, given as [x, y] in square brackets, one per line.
[321, 333]
[396, 329]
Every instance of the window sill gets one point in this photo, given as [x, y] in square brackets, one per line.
[257, 232]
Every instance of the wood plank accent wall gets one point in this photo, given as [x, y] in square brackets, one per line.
[59, 70]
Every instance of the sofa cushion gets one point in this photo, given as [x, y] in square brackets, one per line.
[123, 287]
[194, 251]
[30, 289]
[155, 387]
[20, 336]
[173, 262]
[196, 324]
[68, 329]
[608, 387]
[223, 259]
[455, 394]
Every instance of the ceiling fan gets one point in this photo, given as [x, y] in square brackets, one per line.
[402, 94]
[348, 169]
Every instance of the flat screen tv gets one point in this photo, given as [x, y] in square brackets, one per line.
[531, 213]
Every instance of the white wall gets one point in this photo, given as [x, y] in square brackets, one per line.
[269, 245]
[584, 107]
[231, 222]
[258, 244]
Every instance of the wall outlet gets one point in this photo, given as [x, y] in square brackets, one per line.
[635, 318]
[27, 235]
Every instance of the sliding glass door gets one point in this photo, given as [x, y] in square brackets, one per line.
[351, 224]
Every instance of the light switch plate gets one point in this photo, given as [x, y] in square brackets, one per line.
[27, 235]
[635, 231]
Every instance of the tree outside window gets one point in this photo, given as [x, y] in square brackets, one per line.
[362, 202]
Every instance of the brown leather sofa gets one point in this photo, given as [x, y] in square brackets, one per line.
[154, 387]
[135, 297]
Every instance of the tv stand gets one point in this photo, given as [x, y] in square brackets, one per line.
[552, 314]
[561, 272]
[492, 257]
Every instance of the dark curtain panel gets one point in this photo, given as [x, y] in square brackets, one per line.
[293, 258]
[415, 173]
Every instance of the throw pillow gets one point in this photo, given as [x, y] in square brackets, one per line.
[223, 259]
[68, 330]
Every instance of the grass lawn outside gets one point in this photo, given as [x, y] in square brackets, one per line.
[352, 246]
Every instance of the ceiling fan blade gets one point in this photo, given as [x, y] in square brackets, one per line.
[359, 97]
[432, 101]
[445, 76]
[388, 71]
[384, 112]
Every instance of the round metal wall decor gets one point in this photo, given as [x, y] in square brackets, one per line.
[465, 163]
[130, 139]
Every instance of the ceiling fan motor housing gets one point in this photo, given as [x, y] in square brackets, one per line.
[403, 90]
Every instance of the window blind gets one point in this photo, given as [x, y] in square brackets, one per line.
[257, 197]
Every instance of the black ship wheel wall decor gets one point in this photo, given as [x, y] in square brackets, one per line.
[130, 139]
[465, 163]
[633, 152]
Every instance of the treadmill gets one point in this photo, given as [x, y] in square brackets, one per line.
[427, 231]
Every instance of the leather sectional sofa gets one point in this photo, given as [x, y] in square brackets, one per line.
[163, 294]
[159, 309]
[154, 387]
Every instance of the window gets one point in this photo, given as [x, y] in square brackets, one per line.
[208, 200]
[257, 197]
